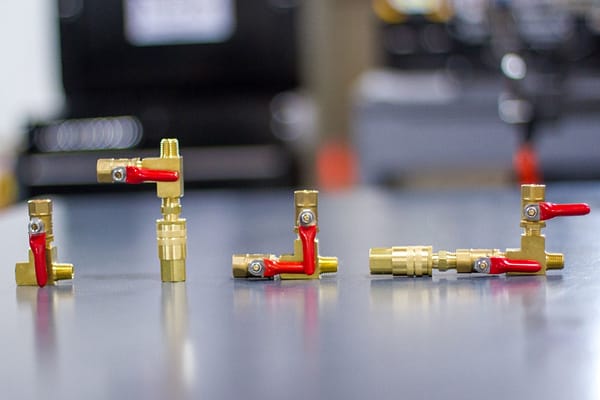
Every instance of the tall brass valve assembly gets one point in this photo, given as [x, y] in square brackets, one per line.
[167, 172]
[530, 259]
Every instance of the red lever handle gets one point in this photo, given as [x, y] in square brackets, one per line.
[140, 175]
[37, 244]
[501, 265]
[551, 210]
[306, 266]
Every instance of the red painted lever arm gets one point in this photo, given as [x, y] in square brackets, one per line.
[551, 210]
[140, 175]
[37, 244]
[501, 265]
[306, 266]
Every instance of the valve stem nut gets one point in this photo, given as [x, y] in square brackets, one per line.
[119, 174]
[531, 212]
[482, 265]
[256, 268]
[306, 218]
[36, 225]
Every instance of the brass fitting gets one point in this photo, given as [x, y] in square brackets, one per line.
[167, 172]
[290, 266]
[40, 222]
[421, 260]
[533, 242]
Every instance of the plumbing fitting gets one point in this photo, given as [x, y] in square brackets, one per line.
[305, 262]
[167, 172]
[42, 268]
[530, 259]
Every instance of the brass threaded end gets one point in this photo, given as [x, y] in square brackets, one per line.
[533, 228]
[328, 264]
[62, 271]
[555, 261]
[169, 148]
[170, 208]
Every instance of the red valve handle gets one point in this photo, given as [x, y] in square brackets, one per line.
[306, 266]
[137, 175]
[551, 210]
[501, 265]
[37, 244]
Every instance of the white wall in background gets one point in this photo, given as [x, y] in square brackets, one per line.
[30, 83]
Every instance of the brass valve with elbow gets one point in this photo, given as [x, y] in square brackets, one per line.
[167, 172]
[42, 268]
[305, 262]
[530, 259]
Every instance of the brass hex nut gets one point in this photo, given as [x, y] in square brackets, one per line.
[40, 207]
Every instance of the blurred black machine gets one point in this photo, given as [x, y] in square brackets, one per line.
[491, 87]
[135, 71]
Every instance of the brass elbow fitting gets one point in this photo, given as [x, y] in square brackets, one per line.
[305, 262]
[42, 268]
[167, 172]
[530, 259]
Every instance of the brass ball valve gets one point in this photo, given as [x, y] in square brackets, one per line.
[167, 172]
[530, 259]
[305, 262]
[42, 268]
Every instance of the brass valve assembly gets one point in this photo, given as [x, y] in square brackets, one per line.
[530, 259]
[42, 267]
[167, 172]
[305, 262]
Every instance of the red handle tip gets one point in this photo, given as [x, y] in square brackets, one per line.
[501, 265]
[140, 175]
[551, 210]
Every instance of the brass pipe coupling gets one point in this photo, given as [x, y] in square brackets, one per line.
[167, 172]
[530, 259]
[42, 268]
[305, 262]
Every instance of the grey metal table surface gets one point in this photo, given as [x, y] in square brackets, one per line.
[117, 332]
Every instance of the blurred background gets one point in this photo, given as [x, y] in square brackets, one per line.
[285, 93]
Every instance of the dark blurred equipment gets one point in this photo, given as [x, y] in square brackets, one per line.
[134, 71]
[536, 43]
[454, 67]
